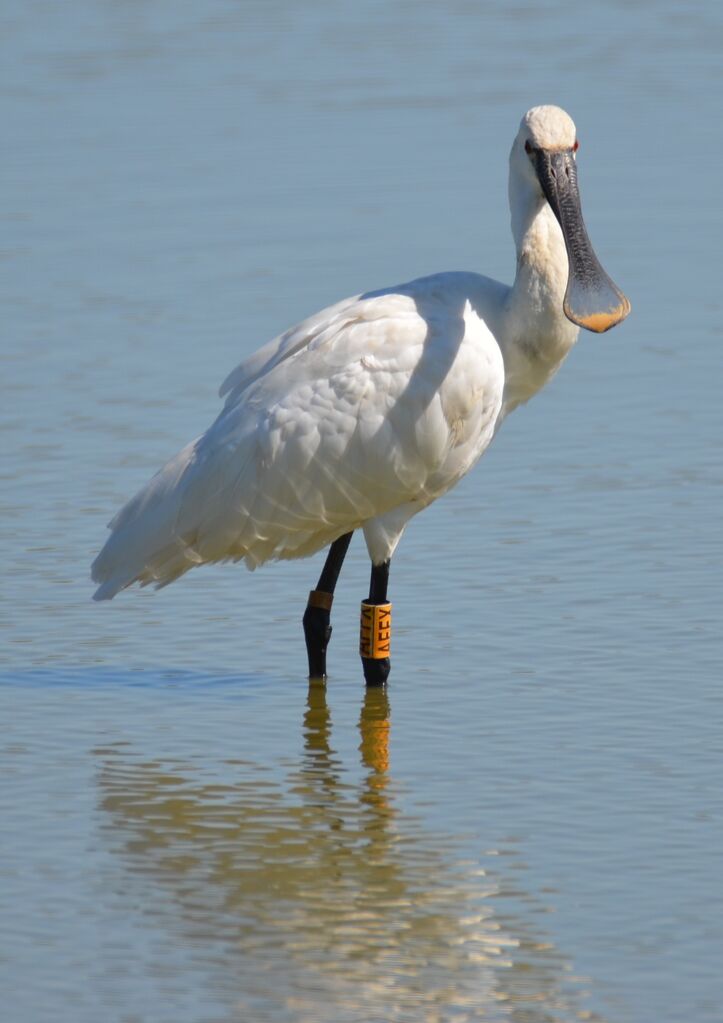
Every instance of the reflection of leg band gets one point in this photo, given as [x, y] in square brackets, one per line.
[376, 630]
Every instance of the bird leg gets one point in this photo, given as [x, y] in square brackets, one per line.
[376, 628]
[317, 617]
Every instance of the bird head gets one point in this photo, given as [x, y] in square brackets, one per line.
[543, 160]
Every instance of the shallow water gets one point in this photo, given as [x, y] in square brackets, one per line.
[528, 826]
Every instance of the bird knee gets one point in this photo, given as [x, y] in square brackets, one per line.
[317, 619]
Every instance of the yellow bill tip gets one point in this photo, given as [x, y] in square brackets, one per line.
[598, 323]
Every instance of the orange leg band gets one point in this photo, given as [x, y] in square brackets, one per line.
[376, 630]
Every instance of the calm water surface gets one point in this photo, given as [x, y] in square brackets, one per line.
[529, 825]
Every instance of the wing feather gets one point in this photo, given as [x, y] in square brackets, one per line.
[342, 419]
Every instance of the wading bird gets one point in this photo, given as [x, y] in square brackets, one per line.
[362, 415]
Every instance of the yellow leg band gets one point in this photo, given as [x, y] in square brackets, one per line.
[376, 630]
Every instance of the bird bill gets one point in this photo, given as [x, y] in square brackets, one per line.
[592, 300]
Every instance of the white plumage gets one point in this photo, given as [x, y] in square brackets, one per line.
[363, 414]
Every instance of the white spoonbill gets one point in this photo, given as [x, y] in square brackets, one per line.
[365, 413]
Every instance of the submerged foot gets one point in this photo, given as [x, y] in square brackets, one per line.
[376, 670]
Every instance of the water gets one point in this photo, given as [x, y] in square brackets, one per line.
[528, 827]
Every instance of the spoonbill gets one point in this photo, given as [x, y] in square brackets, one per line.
[362, 415]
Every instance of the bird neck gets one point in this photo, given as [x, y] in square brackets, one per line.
[537, 334]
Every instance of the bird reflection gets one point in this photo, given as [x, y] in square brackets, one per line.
[316, 898]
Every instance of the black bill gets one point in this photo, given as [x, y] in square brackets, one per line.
[592, 300]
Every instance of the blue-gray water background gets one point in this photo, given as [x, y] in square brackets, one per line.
[531, 827]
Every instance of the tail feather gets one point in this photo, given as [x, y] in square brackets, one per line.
[144, 546]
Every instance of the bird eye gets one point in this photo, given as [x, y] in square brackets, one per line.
[528, 147]
[576, 146]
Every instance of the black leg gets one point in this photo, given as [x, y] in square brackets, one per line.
[317, 617]
[376, 628]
